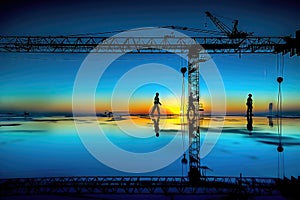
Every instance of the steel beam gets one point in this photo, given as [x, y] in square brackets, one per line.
[138, 185]
[87, 44]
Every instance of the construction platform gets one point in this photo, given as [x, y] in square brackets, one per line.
[146, 185]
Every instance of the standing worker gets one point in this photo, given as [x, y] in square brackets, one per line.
[155, 106]
[249, 105]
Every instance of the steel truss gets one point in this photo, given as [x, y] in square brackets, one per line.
[139, 185]
[193, 113]
[87, 44]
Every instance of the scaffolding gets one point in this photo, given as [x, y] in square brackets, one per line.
[139, 185]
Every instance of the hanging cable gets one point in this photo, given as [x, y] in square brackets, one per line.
[280, 66]
[182, 117]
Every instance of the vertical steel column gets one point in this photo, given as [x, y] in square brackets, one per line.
[193, 114]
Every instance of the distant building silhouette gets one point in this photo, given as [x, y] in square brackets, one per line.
[270, 116]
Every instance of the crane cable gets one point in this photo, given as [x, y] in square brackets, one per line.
[111, 33]
[182, 112]
[280, 67]
[182, 117]
[182, 121]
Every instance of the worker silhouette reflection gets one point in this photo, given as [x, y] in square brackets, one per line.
[156, 125]
[271, 124]
[249, 124]
[156, 105]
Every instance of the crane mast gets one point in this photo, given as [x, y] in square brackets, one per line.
[193, 114]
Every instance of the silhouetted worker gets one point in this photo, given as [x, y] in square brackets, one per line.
[155, 106]
[270, 109]
[249, 105]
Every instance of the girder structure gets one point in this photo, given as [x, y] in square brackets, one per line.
[138, 185]
[167, 44]
[193, 112]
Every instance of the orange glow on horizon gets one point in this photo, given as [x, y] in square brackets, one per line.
[169, 106]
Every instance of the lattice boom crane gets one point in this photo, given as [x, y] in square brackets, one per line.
[234, 42]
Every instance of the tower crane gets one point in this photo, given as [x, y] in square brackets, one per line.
[235, 42]
[230, 33]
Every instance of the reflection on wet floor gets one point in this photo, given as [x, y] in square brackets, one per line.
[24, 142]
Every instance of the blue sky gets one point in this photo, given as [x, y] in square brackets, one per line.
[44, 82]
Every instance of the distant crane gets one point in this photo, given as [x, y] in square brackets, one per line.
[230, 33]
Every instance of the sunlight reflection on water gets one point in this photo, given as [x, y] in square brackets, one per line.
[51, 147]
